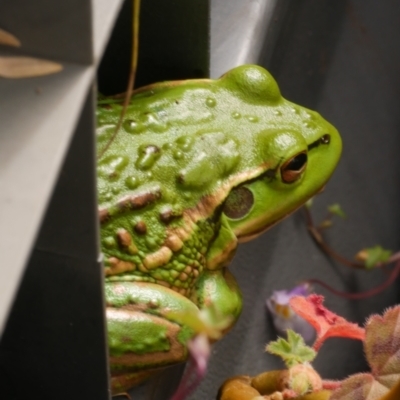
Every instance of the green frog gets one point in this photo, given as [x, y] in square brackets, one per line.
[197, 167]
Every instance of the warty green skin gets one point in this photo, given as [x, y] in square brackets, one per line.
[171, 206]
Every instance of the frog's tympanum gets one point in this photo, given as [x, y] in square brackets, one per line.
[196, 168]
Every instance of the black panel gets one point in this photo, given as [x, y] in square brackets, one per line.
[173, 44]
[53, 345]
[54, 341]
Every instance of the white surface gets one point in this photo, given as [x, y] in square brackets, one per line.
[238, 32]
[104, 14]
[37, 119]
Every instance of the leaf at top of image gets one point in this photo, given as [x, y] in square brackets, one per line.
[27, 67]
[8, 39]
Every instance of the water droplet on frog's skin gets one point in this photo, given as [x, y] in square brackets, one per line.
[132, 182]
[115, 189]
[210, 102]
[132, 126]
[112, 166]
[236, 115]
[252, 119]
[178, 154]
[309, 115]
[149, 175]
[308, 124]
[277, 112]
[166, 146]
[148, 155]
[184, 142]
[294, 110]
[151, 121]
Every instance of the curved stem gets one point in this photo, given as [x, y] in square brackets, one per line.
[362, 295]
[316, 235]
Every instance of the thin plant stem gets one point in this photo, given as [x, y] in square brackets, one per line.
[132, 75]
[361, 295]
[318, 238]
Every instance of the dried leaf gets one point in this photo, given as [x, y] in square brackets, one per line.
[26, 67]
[325, 322]
[8, 39]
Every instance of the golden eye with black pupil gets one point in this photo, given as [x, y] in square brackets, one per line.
[292, 169]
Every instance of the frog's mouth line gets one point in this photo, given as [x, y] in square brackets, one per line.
[324, 139]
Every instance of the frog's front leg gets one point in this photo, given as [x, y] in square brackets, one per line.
[141, 337]
[218, 293]
[216, 288]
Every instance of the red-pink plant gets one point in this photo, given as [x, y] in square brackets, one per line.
[381, 338]
[326, 323]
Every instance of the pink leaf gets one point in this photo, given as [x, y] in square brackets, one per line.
[325, 322]
[360, 387]
[382, 350]
[382, 346]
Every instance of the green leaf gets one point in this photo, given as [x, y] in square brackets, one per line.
[335, 209]
[373, 256]
[292, 351]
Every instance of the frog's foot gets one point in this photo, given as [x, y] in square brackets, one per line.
[218, 294]
[142, 338]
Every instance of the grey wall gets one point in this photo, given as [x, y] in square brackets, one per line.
[341, 58]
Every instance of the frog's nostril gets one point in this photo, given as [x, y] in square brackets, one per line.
[325, 139]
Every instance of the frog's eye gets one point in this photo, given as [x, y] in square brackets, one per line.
[293, 168]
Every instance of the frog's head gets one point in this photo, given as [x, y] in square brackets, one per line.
[299, 151]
